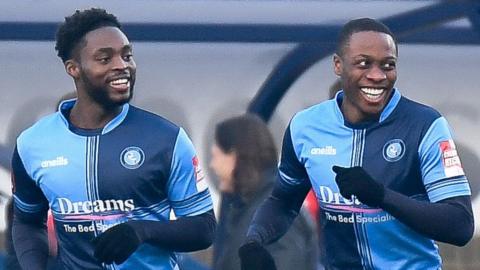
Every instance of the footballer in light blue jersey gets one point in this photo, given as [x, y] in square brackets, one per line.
[111, 173]
[139, 167]
[410, 150]
[385, 169]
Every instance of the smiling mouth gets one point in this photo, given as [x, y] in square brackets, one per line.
[120, 84]
[372, 94]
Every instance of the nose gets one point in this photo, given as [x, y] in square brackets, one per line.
[375, 73]
[119, 63]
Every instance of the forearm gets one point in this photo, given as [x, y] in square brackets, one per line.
[31, 244]
[275, 216]
[185, 234]
[29, 229]
[270, 222]
[449, 221]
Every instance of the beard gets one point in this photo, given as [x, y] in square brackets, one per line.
[101, 95]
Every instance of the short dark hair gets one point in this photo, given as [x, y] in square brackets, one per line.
[76, 26]
[361, 25]
[249, 137]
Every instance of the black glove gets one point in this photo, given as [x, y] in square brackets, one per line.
[254, 256]
[117, 243]
[356, 181]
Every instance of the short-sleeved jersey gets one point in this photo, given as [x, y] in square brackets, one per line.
[409, 149]
[138, 167]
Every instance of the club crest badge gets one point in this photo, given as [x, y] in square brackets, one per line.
[132, 157]
[393, 150]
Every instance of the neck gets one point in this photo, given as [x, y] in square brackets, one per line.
[354, 116]
[91, 115]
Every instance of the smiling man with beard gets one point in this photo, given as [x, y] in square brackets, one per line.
[110, 172]
[384, 168]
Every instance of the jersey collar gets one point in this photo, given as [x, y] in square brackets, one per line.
[387, 111]
[391, 105]
[67, 105]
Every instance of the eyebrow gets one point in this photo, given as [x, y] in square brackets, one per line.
[368, 56]
[111, 50]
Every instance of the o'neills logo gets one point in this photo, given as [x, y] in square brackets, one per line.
[327, 150]
[68, 207]
[59, 161]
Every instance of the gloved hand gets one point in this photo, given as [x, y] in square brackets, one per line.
[254, 256]
[117, 243]
[356, 181]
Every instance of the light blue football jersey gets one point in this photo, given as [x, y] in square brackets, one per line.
[409, 149]
[138, 167]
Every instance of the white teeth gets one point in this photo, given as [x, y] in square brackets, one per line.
[372, 91]
[119, 81]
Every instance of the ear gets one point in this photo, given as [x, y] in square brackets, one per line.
[72, 67]
[337, 65]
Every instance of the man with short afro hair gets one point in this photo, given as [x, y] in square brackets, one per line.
[110, 172]
[77, 25]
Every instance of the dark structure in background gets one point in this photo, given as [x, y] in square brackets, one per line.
[421, 26]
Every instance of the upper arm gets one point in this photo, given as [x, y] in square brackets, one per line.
[442, 172]
[186, 187]
[291, 170]
[30, 203]
[292, 182]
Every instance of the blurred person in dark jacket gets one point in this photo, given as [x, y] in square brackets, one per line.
[244, 158]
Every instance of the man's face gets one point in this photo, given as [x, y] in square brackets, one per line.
[106, 67]
[368, 73]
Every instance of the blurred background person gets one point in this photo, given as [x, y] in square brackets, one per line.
[244, 158]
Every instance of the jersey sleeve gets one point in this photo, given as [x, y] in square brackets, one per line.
[442, 172]
[187, 189]
[29, 200]
[291, 171]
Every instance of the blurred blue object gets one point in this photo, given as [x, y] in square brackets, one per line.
[187, 262]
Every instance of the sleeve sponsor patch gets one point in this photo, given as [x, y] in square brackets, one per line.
[450, 159]
[199, 175]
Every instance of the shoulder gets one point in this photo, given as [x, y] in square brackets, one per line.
[150, 124]
[418, 111]
[417, 120]
[40, 129]
[313, 112]
[143, 117]
[324, 111]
